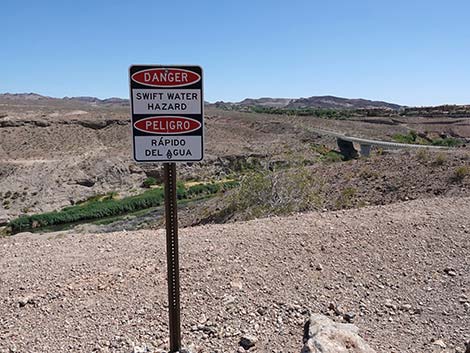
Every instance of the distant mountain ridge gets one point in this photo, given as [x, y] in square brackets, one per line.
[340, 103]
[321, 102]
[266, 102]
[325, 102]
[8, 97]
[315, 102]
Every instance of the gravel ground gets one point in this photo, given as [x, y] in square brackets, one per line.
[400, 272]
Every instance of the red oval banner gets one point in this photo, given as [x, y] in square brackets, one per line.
[165, 125]
[166, 77]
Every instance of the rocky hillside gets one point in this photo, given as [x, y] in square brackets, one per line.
[34, 98]
[320, 102]
[54, 153]
[331, 102]
[266, 102]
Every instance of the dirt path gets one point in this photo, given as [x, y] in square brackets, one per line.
[402, 270]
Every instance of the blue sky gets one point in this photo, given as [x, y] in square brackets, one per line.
[408, 52]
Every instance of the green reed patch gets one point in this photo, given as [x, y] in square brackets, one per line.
[97, 208]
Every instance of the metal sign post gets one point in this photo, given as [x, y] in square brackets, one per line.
[167, 110]
[171, 214]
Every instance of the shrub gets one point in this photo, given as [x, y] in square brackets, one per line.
[422, 154]
[448, 142]
[404, 138]
[367, 173]
[150, 181]
[346, 197]
[440, 159]
[327, 154]
[268, 193]
[317, 112]
[411, 138]
[460, 173]
[332, 157]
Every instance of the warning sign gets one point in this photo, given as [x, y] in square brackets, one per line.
[167, 109]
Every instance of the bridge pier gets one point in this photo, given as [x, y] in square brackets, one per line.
[347, 149]
[349, 152]
[365, 150]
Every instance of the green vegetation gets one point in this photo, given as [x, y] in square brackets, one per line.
[332, 157]
[422, 155]
[108, 206]
[346, 197]
[328, 155]
[265, 193]
[410, 138]
[316, 112]
[448, 142]
[440, 159]
[368, 174]
[460, 173]
[325, 113]
[109, 196]
[451, 111]
[4, 232]
[413, 138]
[150, 181]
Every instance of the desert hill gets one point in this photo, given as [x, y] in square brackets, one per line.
[266, 102]
[320, 102]
[327, 102]
[35, 99]
[314, 102]
[331, 102]
[57, 152]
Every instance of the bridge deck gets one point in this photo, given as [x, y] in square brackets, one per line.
[363, 141]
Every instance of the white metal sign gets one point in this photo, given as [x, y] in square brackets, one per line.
[167, 108]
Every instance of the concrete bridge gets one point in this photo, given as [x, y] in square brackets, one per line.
[345, 144]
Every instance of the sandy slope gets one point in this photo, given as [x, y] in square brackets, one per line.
[402, 269]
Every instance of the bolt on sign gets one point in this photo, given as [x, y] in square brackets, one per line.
[167, 113]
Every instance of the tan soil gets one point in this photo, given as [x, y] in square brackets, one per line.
[402, 269]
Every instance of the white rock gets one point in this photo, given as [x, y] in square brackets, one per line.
[440, 343]
[323, 335]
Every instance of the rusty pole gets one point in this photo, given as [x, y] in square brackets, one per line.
[171, 215]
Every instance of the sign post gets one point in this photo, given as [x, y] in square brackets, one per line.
[171, 223]
[167, 109]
